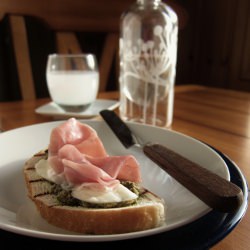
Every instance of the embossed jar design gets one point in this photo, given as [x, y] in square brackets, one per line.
[148, 50]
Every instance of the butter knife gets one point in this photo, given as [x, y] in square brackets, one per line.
[217, 192]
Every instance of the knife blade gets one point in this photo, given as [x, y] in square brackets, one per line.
[217, 192]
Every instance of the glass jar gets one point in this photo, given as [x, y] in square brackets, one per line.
[148, 51]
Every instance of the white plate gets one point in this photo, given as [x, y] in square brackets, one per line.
[52, 109]
[17, 213]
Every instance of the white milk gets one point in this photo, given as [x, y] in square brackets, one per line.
[73, 87]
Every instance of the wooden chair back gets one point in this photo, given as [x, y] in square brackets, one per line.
[65, 17]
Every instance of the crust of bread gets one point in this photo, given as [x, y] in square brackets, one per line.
[148, 213]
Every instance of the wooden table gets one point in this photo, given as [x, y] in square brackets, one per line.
[218, 117]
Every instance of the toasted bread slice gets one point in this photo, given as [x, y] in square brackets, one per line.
[148, 212]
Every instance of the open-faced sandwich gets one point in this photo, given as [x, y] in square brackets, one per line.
[77, 186]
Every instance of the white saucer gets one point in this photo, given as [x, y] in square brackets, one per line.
[52, 109]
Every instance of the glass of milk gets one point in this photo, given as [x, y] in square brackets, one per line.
[72, 80]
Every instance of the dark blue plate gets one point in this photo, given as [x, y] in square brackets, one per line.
[200, 234]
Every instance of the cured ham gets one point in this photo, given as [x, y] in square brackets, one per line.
[76, 151]
[120, 167]
[78, 134]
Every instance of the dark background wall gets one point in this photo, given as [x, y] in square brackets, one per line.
[214, 47]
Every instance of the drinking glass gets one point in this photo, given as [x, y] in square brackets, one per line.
[72, 80]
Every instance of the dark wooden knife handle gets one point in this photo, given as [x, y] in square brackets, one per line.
[215, 191]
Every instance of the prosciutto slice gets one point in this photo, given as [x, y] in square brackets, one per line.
[82, 136]
[76, 151]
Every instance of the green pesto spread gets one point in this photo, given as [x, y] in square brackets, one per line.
[65, 198]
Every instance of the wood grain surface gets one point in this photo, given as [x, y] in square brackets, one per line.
[218, 117]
